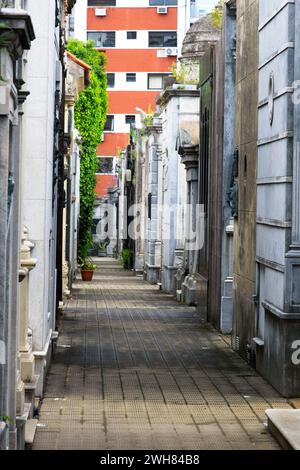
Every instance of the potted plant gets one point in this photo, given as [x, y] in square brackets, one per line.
[87, 269]
[127, 258]
[102, 249]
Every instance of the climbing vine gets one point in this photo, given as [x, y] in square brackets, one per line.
[90, 117]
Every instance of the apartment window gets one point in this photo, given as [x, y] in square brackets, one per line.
[131, 34]
[110, 80]
[156, 81]
[162, 39]
[130, 77]
[109, 125]
[103, 39]
[159, 3]
[101, 3]
[130, 119]
[105, 165]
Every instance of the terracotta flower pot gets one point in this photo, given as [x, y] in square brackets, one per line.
[87, 275]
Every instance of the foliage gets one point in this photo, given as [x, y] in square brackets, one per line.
[127, 258]
[182, 74]
[90, 117]
[217, 15]
[147, 119]
[119, 162]
[86, 264]
[7, 420]
[178, 73]
[103, 245]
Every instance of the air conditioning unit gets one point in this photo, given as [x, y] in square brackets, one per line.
[100, 12]
[161, 53]
[171, 51]
[162, 10]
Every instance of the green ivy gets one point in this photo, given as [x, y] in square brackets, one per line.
[90, 116]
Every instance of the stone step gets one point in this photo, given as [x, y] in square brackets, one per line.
[285, 427]
[30, 430]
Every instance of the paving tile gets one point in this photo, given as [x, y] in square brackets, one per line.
[141, 372]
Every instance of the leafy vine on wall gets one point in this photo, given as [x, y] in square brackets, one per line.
[90, 116]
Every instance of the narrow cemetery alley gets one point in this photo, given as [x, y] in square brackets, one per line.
[134, 369]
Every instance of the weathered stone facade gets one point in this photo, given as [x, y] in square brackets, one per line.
[77, 78]
[278, 196]
[220, 236]
[161, 187]
[31, 100]
[15, 37]
[244, 288]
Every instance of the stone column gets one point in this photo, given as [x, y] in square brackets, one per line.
[187, 283]
[25, 348]
[292, 290]
[153, 260]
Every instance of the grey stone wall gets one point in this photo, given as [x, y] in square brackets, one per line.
[278, 186]
[18, 23]
[246, 142]
[222, 155]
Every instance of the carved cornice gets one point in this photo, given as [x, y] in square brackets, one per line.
[170, 93]
[17, 26]
[189, 156]
[22, 96]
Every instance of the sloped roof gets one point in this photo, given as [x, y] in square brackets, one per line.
[78, 61]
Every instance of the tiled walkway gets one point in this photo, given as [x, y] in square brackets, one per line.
[135, 369]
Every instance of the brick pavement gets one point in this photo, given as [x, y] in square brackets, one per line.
[134, 369]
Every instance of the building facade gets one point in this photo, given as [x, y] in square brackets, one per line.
[77, 78]
[244, 283]
[213, 272]
[161, 185]
[142, 42]
[277, 326]
[32, 183]
[17, 34]
[43, 155]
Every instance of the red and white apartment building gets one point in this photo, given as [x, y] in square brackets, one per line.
[141, 39]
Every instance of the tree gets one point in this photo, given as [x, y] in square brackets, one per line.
[90, 116]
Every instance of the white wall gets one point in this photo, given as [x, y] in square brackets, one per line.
[38, 169]
[141, 42]
[184, 20]
[130, 3]
[141, 83]
[120, 126]
[80, 18]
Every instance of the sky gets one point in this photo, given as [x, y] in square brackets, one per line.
[208, 4]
